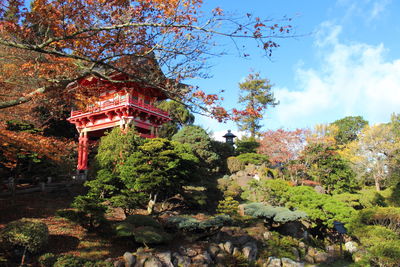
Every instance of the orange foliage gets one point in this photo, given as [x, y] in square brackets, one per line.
[13, 143]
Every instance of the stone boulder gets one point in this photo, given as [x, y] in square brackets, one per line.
[321, 257]
[179, 260]
[129, 259]
[165, 258]
[286, 262]
[152, 261]
[213, 250]
[250, 251]
[228, 247]
[273, 262]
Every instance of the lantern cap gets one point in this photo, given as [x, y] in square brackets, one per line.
[229, 134]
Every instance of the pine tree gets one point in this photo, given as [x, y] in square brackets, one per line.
[257, 96]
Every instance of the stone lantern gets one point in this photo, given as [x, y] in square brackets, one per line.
[229, 137]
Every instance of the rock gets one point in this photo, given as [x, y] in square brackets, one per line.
[302, 245]
[249, 251]
[152, 261]
[221, 246]
[165, 258]
[319, 189]
[312, 252]
[141, 257]
[273, 262]
[188, 251]
[119, 263]
[129, 259]
[296, 253]
[321, 257]
[236, 252]
[309, 259]
[267, 235]
[213, 250]
[351, 246]
[286, 262]
[179, 260]
[228, 247]
[202, 258]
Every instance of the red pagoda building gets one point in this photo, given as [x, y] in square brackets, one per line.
[119, 105]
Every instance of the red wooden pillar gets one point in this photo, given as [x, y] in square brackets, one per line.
[83, 151]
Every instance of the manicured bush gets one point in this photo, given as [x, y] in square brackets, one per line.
[124, 229]
[150, 235]
[70, 261]
[382, 244]
[189, 224]
[27, 233]
[138, 220]
[229, 187]
[271, 191]
[235, 165]
[253, 158]
[228, 206]
[322, 209]
[275, 214]
[385, 216]
[47, 260]
[90, 213]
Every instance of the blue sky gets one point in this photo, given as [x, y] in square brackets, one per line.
[347, 62]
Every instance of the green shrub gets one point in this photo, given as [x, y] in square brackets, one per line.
[90, 212]
[235, 165]
[124, 229]
[138, 220]
[239, 163]
[253, 158]
[70, 261]
[321, 209]
[271, 191]
[150, 235]
[28, 233]
[195, 196]
[127, 227]
[189, 224]
[276, 214]
[47, 260]
[385, 216]
[279, 246]
[228, 206]
[370, 198]
[246, 145]
[372, 227]
[98, 264]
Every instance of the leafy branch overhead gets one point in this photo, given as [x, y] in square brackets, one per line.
[52, 44]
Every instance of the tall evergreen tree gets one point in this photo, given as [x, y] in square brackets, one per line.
[257, 96]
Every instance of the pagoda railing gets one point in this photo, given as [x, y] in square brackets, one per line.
[117, 102]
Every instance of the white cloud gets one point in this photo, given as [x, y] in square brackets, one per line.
[379, 7]
[369, 10]
[354, 79]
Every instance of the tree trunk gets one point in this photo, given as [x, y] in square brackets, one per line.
[151, 204]
[377, 185]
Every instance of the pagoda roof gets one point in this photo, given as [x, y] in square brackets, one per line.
[145, 69]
